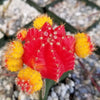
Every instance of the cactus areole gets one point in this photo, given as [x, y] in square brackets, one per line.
[49, 51]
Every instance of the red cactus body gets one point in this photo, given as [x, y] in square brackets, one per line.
[49, 51]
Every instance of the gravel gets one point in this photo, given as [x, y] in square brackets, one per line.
[17, 16]
[76, 13]
[96, 2]
[95, 34]
[62, 90]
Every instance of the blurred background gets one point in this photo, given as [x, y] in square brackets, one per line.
[83, 83]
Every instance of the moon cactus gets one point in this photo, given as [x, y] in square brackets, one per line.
[47, 52]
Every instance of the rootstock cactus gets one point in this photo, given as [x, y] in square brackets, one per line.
[46, 51]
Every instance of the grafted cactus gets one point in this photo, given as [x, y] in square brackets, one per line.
[47, 52]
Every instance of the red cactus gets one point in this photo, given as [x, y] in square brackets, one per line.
[49, 51]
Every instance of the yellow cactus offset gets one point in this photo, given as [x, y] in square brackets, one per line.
[16, 49]
[13, 64]
[12, 56]
[41, 20]
[29, 80]
[83, 45]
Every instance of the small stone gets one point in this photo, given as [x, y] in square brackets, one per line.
[74, 75]
[77, 81]
[5, 82]
[53, 94]
[69, 75]
[1, 35]
[11, 32]
[81, 22]
[13, 98]
[57, 89]
[78, 98]
[16, 94]
[1, 88]
[8, 87]
[71, 83]
[98, 70]
[55, 98]
[22, 96]
[63, 93]
[8, 98]
[83, 90]
[67, 87]
[49, 98]
[78, 14]
[71, 89]
[77, 93]
[62, 86]
[2, 97]
[66, 97]
[61, 98]
[1, 21]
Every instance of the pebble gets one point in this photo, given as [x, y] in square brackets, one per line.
[83, 90]
[61, 98]
[58, 90]
[49, 98]
[16, 94]
[2, 97]
[1, 35]
[78, 98]
[53, 94]
[62, 86]
[1, 88]
[72, 84]
[8, 87]
[66, 97]
[63, 93]
[5, 82]
[71, 90]
[77, 81]
[8, 98]
[67, 86]
[22, 96]
[43, 3]
[55, 98]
